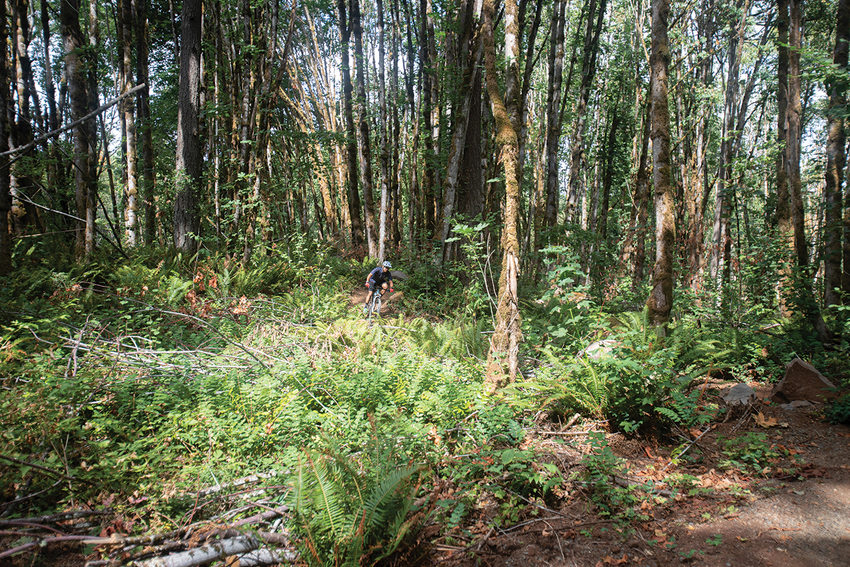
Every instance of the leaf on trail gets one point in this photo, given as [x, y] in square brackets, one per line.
[763, 421]
[695, 433]
[609, 560]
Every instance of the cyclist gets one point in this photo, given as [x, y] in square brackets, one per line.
[379, 278]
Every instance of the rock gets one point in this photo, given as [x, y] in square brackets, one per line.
[398, 275]
[802, 381]
[600, 349]
[739, 395]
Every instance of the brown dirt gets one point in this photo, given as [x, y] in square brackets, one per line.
[388, 302]
[797, 514]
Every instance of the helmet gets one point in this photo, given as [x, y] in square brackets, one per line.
[387, 264]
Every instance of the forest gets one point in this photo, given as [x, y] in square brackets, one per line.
[601, 215]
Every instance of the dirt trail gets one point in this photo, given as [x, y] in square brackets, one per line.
[736, 521]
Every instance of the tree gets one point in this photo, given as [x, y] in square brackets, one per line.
[553, 114]
[660, 300]
[503, 361]
[79, 67]
[187, 175]
[588, 72]
[836, 160]
[5, 196]
[128, 115]
[351, 135]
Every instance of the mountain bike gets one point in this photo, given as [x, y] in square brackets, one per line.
[374, 305]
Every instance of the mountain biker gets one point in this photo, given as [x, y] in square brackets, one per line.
[379, 278]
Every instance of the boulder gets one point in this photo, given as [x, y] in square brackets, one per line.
[600, 349]
[739, 395]
[802, 381]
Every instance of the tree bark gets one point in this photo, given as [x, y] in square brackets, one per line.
[469, 44]
[131, 190]
[85, 141]
[588, 73]
[836, 160]
[5, 195]
[139, 10]
[503, 360]
[351, 134]
[794, 134]
[364, 142]
[187, 224]
[660, 301]
[553, 114]
[384, 178]
[722, 239]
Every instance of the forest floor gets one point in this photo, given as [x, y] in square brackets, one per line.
[799, 516]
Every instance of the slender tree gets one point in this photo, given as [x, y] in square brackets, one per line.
[5, 195]
[836, 159]
[187, 224]
[593, 30]
[131, 186]
[553, 114]
[354, 211]
[660, 300]
[78, 68]
[503, 360]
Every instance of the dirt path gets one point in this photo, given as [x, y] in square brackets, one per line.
[728, 520]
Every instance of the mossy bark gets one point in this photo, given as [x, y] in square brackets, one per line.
[660, 300]
[503, 360]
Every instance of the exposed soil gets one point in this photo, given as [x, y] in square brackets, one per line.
[795, 514]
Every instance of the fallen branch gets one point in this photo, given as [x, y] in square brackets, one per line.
[203, 554]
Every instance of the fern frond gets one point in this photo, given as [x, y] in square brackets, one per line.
[327, 498]
[378, 505]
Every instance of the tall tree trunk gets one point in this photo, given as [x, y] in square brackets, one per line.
[635, 247]
[469, 44]
[794, 135]
[503, 360]
[131, 191]
[145, 128]
[384, 137]
[354, 212]
[28, 115]
[722, 239]
[784, 226]
[835, 160]
[553, 114]
[588, 73]
[5, 196]
[187, 224]
[365, 145]
[660, 301]
[696, 188]
[85, 141]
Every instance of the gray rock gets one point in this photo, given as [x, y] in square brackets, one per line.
[739, 395]
[802, 381]
[600, 349]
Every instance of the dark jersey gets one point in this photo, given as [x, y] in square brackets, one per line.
[378, 276]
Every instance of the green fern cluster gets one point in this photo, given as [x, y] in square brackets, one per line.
[354, 509]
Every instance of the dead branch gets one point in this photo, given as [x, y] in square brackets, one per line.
[203, 554]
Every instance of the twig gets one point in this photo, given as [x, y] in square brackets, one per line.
[568, 433]
[686, 449]
[484, 539]
[45, 469]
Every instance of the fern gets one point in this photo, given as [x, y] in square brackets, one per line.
[338, 525]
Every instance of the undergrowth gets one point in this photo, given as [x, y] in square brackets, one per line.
[163, 375]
